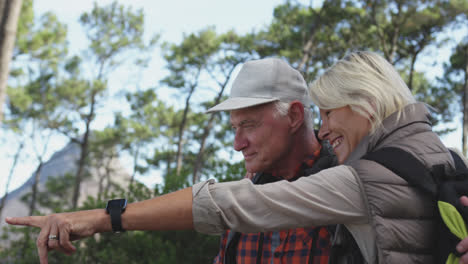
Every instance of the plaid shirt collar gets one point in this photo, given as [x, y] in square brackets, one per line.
[308, 162]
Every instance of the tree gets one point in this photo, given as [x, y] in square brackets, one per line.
[456, 77]
[150, 118]
[186, 63]
[9, 14]
[202, 63]
[234, 50]
[39, 47]
[405, 28]
[314, 38]
[114, 32]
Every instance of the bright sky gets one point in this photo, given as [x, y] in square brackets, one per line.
[171, 19]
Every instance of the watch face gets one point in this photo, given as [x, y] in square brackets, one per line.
[117, 203]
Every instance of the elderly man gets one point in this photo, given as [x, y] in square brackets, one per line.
[269, 111]
[274, 130]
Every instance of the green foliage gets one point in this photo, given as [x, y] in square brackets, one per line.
[113, 30]
[39, 49]
[313, 38]
[455, 83]
[65, 93]
[21, 251]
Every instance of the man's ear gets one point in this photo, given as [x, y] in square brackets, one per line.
[296, 115]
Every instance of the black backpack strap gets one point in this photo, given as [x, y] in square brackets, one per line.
[344, 248]
[406, 166]
[459, 164]
[456, 187]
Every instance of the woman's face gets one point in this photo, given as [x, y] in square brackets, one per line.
[344, 128]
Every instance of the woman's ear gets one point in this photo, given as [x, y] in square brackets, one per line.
[296, 115]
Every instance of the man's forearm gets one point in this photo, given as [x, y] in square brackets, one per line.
[172, 211]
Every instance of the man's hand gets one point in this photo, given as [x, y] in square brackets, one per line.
[462, 247]
[58, 230]
[171, 211]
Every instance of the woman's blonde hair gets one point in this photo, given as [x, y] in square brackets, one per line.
[366, 82]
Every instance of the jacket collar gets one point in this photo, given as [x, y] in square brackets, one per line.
[412, 113]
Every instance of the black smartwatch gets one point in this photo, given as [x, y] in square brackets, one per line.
[115, 208]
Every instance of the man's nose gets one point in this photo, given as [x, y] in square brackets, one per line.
[240, 142]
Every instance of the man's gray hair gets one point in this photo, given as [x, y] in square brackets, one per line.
[282, 109]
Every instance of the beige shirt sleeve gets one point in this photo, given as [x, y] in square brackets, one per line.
[331, 196]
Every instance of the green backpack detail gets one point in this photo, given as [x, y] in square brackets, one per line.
[454, 221]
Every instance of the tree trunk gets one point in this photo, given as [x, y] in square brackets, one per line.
[84, 145]
[80, 171]
[10, 175]
[103, 190]
[9, 14]
[183, 123]
[394, 45]
[307, 51]
[206, 131]
[181, 133]
[389, 48]
[309, 47]
[135, 165]
[411, 73]
[37, 177]
[109, 170]
[465, 106]
[169, 162]
[198, 163]
[101, 186]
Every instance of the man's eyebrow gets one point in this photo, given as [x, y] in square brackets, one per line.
[244, 122]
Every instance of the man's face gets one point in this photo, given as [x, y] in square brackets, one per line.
[263, 137]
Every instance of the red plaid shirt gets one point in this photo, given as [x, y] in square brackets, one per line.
[283, 247]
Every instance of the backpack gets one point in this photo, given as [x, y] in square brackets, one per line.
[444, 189]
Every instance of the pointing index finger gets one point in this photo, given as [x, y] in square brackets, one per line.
[35, 221]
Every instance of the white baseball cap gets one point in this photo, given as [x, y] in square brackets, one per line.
[263, 81]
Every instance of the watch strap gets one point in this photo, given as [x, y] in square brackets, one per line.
[115, 208]
[116, 219]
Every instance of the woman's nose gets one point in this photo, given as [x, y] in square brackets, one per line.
[323, 131]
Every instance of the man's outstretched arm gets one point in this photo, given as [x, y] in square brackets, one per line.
[167, 212]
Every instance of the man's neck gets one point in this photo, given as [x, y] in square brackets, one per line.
[303, 147]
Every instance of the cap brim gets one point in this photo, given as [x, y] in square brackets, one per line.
[239, 103]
